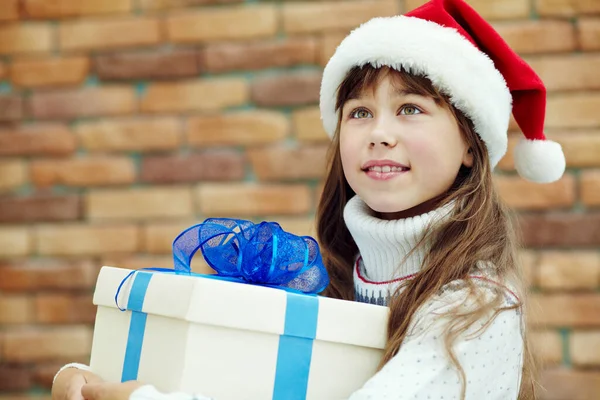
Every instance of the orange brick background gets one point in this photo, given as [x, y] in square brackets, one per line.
[124, 121]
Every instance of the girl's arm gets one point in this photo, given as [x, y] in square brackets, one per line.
[422, 369]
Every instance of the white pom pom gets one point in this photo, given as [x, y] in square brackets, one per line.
[540, 161]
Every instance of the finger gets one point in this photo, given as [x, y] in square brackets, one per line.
[91, 391]
[74, 388]
[93, 378]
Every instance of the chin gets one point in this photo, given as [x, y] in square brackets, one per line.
[386, 206]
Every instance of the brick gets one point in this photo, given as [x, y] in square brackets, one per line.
[21, 38]
[305, 17]
[9, 11]
[329, 43]
[49, 71]
[590, 187]
[39, 208]
[573, 110]
[62, 308]
[580, 345]
[224, 199]
[36, 140]
[11, 108]
[568, 270]
[222, 23]
[197, 95]
[561, 384]
[86, 102]
[253, 56]
[143, 261]
[581, 148]
[588, 33]
[489, 9]
[14, 241]
[301, 226]
[560, 229]
[16, 309]
[524, 195]
[155, 5]
[13, 173]
[159, 236]
[566, 8]
[287, 90]
[237, 129]
[47, 274]
[154, 202]
[579, 310]
[281, 163]
[14, 378]
[148, 65]
[209, 166]
[547, 346]
[89, 171]
[44, 9]
[83, 239]
[43, 374]
[48, 344]
[138, 261]
[317, 194]
[130, 134]
[531, 37]
[307, 125]
[583, 71]
[529, 267]
[108, 33]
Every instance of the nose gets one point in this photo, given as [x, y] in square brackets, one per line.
[382, 135]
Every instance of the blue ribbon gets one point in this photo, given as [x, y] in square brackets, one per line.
[263, 254]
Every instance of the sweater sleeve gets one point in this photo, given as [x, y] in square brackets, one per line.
[491, 356]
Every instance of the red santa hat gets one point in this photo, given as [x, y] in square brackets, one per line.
[466, 59]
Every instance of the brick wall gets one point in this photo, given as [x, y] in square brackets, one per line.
[124, 121]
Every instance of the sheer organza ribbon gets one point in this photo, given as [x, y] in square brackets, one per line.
[241, 251]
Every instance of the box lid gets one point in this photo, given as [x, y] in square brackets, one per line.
[203, 300]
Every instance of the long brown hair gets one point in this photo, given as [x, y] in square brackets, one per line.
[480, 229]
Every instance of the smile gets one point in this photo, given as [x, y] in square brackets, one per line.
[385, 172]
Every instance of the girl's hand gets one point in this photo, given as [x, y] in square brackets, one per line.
[109, 391]
[69, 382]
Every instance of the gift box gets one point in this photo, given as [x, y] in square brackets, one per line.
[257, 330]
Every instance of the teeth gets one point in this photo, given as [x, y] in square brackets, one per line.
[387, 168]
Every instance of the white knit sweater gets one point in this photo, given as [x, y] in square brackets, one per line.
[492, 359]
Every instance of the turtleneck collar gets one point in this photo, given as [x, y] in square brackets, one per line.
[384, 244]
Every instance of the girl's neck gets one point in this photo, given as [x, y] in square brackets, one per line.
[385, 245]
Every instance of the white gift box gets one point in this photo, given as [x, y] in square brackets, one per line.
[232, 341]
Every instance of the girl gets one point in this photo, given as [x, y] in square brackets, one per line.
[418, 109]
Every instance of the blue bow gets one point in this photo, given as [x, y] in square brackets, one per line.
[261, 254]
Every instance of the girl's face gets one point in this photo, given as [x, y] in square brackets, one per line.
[400, 150]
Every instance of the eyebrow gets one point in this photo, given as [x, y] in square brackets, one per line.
[399, 92]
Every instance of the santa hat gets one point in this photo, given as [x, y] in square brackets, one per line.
[466, 59]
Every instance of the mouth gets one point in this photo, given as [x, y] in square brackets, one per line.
[386, 169]
[385, 172]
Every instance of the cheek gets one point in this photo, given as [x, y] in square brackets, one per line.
[433, 156]
[347, 152]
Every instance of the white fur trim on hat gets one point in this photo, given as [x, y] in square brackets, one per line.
[540, 161]
[425, 48]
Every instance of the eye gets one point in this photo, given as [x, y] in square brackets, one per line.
[360, 113]
[409, 109]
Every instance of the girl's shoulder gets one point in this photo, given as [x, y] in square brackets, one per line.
[482, 286]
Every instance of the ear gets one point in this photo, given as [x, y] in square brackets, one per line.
[468, 158]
